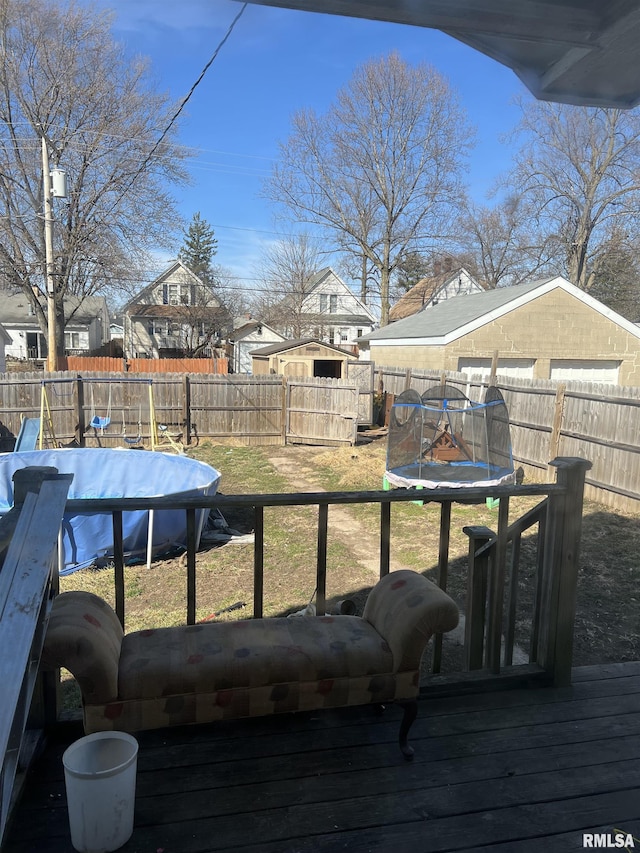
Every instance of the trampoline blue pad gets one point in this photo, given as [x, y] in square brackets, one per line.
[449, 475]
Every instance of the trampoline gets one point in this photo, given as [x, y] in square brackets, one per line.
[443, 439]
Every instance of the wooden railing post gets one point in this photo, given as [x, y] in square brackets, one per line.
[479, 537]
[495, 604]
[385, 538]
[191, 566]
[321, 561]
[561, 569]
[443, 565]
[258, 561]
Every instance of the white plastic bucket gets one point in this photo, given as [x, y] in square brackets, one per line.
[100, 778]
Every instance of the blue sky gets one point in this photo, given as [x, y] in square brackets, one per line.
[277, 61]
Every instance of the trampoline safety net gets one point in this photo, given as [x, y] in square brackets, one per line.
[444, 439]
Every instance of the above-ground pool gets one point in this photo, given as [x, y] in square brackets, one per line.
[115, 473]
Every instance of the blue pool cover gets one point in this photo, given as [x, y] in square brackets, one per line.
[116, 473]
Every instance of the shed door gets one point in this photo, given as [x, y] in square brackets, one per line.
[584, 370]
[327, 368]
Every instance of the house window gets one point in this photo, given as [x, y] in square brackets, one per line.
[333, 303]
[72, 340]
[358, 333]
[323, 303]
[174, 294]
[344, 335]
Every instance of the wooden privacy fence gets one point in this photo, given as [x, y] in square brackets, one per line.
[112, 410]
[582, 419]
[590, 420]
[84, 364]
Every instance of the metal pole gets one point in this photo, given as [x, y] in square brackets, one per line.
[52, 355]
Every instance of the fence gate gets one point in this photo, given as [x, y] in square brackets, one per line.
[321, 411]
[360, 373]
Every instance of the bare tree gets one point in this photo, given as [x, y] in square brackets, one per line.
[64, 80]
[579, 173]
[616, 279]
[381, 169]
[499, 244]
[286, 272]
[201, 322]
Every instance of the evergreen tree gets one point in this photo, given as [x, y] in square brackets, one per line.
[199, 248]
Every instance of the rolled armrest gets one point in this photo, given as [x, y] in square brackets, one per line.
[85, 636]
[406, 609]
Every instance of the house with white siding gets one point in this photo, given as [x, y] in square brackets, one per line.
[86, 327]
[249, 334]
[329, 311]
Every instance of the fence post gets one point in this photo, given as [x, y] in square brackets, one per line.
[407, 379]
[80, 410]
[186, 408]
[493, 375]
[560, 569]
[556, 427]
[284, 411]
[475, 605]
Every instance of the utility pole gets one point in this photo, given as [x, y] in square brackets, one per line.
[52, 354]
[55, 185]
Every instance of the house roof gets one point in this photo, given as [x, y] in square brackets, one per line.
[283, 346]
[572, 51]
[175, 266]
[245, 327]
[14, 309]
[421, 294]
[453, 318]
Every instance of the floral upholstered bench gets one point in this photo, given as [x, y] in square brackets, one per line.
[254, 667]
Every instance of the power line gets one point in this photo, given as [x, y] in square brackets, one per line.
[185, 100]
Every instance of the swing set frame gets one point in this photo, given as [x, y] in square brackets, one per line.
[160, 437]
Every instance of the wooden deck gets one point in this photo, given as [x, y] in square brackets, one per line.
[515, 771]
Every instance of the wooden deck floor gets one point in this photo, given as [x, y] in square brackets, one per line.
[516, 771]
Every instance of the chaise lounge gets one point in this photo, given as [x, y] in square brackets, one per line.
[254, 667]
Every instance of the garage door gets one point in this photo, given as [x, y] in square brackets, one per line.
[585, 370]
[517, 368]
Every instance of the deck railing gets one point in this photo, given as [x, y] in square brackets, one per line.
[28, 538]
[558, 518]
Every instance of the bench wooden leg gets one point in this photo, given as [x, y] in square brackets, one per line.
[410, 713]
